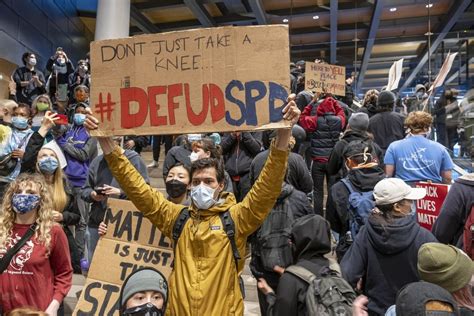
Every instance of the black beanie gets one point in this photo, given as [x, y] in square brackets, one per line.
[386, 99]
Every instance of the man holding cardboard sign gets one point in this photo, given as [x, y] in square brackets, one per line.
[205, 279]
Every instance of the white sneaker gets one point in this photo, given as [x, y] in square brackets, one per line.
[154, 164]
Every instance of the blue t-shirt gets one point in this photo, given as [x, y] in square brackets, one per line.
[417, 158]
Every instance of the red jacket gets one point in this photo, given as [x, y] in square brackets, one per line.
[329, 105]
[32, 279]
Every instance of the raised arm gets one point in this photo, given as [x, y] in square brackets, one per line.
[252, 211]
[149, 201]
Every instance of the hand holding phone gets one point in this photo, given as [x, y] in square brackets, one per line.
[99, 190]
[62, 119]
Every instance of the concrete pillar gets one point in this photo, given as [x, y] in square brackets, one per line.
[113, 19]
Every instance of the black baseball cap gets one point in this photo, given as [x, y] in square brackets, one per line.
[412, 300]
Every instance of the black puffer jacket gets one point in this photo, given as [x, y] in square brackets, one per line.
[385, 255]
[449, 226]
[336, 160]
[311, 235]
[362, 180]
[299, 205]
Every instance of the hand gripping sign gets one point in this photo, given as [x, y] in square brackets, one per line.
[215, 79]
[131, 242]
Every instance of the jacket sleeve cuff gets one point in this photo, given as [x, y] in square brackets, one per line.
[58, 297]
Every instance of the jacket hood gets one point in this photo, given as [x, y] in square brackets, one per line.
[467, 179]
[328, 105]
[130, 154]
[351, 135]
[365, 179]
[311, 237]
[391, 237]
[226, 200]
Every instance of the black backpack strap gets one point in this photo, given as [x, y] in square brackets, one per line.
[5, 261]
[179, 225]
[229, 228]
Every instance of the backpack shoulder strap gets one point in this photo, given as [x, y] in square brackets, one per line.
[302, 273]
[229, 228]
[179, 225]
[348, 185]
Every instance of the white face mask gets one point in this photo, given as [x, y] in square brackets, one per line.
[32, 61]
[194, 156]
[203, 196]
[61, 61]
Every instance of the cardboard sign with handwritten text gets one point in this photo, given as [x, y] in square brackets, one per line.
[203, 80]
[131, 242]
[325, 78]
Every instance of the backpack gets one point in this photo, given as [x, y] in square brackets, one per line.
[272, 239]
[327, 294]
[359, 208]
[468, 235]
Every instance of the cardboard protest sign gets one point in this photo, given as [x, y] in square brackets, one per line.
[394, 75]
[444, 70]
[131, 242]
[325, 78]
[428, 208]
[194, 81]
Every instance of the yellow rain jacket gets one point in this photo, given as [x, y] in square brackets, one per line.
[204, 281]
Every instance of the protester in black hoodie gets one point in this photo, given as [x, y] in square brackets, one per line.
[386, 126]
[449, 225]
[298, 204]
[384, 254]
[356, 131]
[311, 237]
[364, 173]
[239, 149]
[100, 185]
[297, 175]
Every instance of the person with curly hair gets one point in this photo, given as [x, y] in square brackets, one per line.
[416, 158]
[42, 263]
[369, 104]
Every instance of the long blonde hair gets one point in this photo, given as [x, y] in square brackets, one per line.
[44, 215]
[57, 187]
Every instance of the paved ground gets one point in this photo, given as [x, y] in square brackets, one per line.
[251, 300]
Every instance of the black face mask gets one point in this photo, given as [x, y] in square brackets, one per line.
[147, 309]
[175, 188]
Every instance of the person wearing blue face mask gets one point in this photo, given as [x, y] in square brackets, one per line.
[38, 274]
[14, 148]
[79, 149]
[50, 163]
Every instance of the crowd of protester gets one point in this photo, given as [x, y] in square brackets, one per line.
[360, 248]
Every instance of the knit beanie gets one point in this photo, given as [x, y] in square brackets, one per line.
[359, 122]
[386, 99]
[146, 279]
[444, 265]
